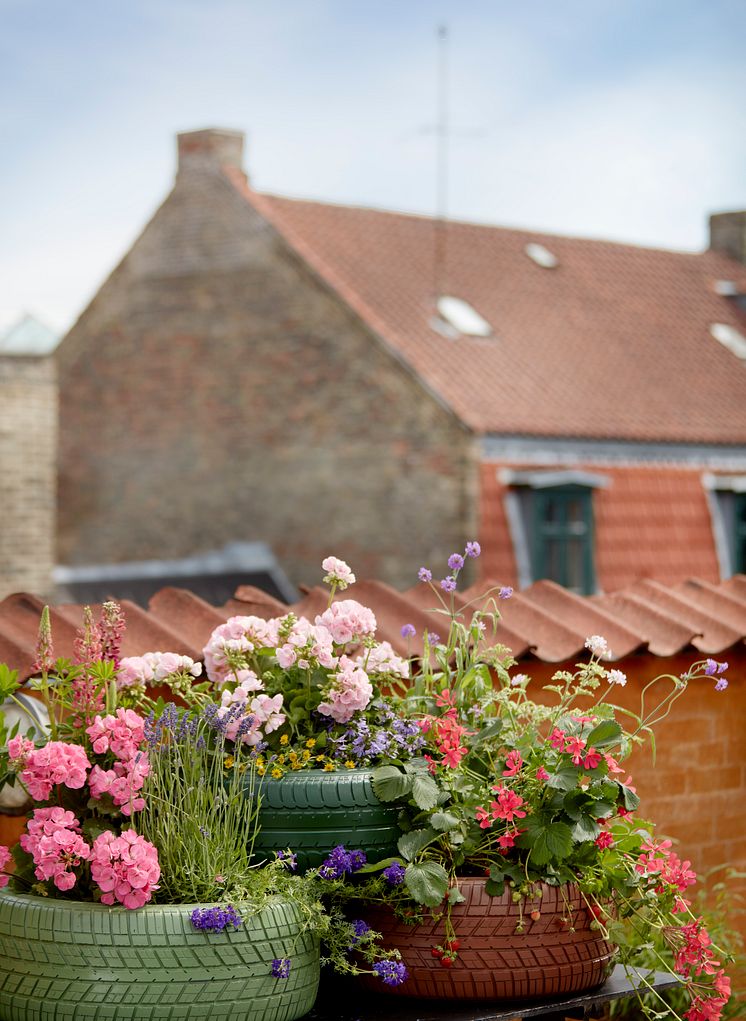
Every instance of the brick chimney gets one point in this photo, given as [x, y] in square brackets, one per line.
[210, 149]
[728, 235]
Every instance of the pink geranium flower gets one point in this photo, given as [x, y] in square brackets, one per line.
[56, 763]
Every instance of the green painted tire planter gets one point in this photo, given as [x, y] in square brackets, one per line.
[311, 811]
[74, 961]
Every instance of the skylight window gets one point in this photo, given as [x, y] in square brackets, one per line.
[729, 337]
[460, 315]
[541, 255]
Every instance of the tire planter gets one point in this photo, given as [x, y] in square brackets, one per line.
[494, 962]
[311, 811]
[74, 961]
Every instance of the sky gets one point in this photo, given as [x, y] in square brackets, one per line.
[620, 119]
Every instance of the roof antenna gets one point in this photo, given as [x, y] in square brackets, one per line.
[440, 256]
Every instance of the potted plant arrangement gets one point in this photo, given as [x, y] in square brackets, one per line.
[321, 722]
[133, 892]
[524, 870]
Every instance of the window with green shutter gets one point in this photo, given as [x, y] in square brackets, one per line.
[739, 535]
[562, 537]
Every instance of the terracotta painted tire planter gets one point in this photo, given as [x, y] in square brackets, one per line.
[74, 961]
[311, 811]
[494, 962]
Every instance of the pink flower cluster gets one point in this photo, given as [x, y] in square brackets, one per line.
[663, 864]
[382, 659]
[125, 868]
[347, 620]
[304, 645]
[261, 714]
[54, 842]
[695, 957]
[446, 733]
[140, 671]
[122, 734]
[5, 857]
[19, 749]
[56, 763]
[351, 691]
[338, 573]
[576, 748]
[121, 783]
[507, 806]
[239, 636]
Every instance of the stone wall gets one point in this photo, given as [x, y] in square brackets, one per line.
[216, 391]
[28, 450]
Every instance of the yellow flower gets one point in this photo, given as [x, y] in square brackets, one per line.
[284, 739]
[320, 758]
[281, 759]
[306, 756]
[350, 764]
[329, 767]
[261, 770]
[228, 762]
[277, 772]
[310, 743]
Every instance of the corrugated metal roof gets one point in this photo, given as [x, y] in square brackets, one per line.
[545, 621]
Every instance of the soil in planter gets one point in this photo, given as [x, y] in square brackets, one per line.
[494, 961]
[312, 811]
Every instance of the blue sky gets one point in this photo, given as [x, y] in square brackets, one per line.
[608, 118]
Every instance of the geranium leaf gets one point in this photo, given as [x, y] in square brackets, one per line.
[564, 779]
[390, 784]
[427, 882]
[606, 733]
[631, 800]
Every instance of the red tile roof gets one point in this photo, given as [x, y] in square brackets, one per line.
[613, 343]
[544, 622]
[648, 522]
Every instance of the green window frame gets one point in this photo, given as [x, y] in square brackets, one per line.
[739, 534]
[562, 537]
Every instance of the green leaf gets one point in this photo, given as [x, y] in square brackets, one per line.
[443, 820]
[427, 882]
[410, 844]
[455, 896]
[377, 866]
[552, 842]
[390, 784]
[564, 779]
[8, 682]
[631, 800]
[425, 791]
[606, 733]
[585, 829]
[485, 733]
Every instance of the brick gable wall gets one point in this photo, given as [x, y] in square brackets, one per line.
[28, 447]
[215, 391]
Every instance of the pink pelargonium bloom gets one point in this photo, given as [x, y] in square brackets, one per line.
[301, 642]
[338, 573]
[592, 759]
[56, 763]
[123, 734]
[121, 783]
[125, 868]
[508, 805]
[541, 774]
[382, 659]
[56, 846]
[574, 746]
[350, 692]
[5, 857]
[19, 749]
[233, 641]
[347, 620]
[513, 763]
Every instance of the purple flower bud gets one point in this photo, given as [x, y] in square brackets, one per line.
[505, 592]
[722, 684]
[448, 584]
[433, 638]
[722, 667]
[424, 575]
[281, 967]
[473, 549]
[455, 561]
[394, 874]
[711, 667]
[408, 631]
[393, 973]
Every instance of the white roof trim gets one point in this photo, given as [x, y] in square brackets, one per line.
[548, 479]
[728, 483]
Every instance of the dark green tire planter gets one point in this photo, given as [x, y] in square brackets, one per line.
[311, 811]
[72, 961]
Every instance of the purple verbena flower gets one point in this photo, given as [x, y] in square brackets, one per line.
[455, 561]
[433, 637]
[722, 684]
[408, 631]
[289, 860]
[424, 575]
[393, 973]
[473, 549]
[722, 667]
[448, 584]
[359, 929]
[394, 874]
[281, 967]
[711, 667]
[505, 592]
[215, 919]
